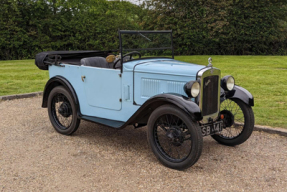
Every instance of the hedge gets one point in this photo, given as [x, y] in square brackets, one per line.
[229, 27]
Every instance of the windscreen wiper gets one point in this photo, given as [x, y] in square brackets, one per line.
[144, 36]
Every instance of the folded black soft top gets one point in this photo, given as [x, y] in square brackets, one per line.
[44, 59]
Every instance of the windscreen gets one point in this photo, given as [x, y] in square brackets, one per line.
[148, 43]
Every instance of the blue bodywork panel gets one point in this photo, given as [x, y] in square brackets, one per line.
[164, 66]
[110, 94]
[102, 87]
[160, 76]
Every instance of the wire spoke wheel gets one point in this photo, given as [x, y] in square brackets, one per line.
[173, 137]
[234, 113]
[62, 111]
[238, 121]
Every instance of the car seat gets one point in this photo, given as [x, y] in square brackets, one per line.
[95, 62]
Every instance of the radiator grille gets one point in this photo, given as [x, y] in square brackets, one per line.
[210, 95]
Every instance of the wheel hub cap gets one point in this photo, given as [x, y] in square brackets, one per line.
[176, 136]
[228, 118]
[64, 109]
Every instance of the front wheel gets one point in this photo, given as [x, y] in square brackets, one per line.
[238, 120]
[174, 138]
[62, 111]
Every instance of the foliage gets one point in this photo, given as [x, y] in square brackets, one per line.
[28, 26]
[234, 27]
[229, 27]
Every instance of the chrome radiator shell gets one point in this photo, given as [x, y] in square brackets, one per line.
[209, 79]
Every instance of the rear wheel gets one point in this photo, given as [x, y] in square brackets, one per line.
[62, 111]
[174, 138]
[239, 122]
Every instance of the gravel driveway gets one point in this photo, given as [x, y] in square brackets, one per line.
[33, 157]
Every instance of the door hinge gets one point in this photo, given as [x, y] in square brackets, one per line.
[120, 100]
[83, 78]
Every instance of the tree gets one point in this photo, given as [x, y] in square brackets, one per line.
[222, 27]
[28, 26]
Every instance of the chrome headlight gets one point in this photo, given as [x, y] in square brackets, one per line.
[227, 83]
[192, 88]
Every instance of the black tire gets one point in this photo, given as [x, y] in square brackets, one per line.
[178, 133]
[242, 126]
[62, 111]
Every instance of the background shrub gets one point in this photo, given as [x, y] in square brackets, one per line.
[229, 27]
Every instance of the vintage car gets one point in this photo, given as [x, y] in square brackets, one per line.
[179, 102]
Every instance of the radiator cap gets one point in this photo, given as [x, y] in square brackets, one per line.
[209, 62]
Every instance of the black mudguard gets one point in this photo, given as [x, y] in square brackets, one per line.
[239, 93]
[180, 101]
[59, 81]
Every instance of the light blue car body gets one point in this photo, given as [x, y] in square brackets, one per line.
[115, 95]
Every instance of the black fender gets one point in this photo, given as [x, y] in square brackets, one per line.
[59, 81]
[238, 93]
[180, 101]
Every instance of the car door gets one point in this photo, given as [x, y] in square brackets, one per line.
[102, 87]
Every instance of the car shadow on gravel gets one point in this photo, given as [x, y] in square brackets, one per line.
[128, 138]
[131, 139]
[129, 147]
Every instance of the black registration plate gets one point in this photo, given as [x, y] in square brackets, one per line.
[210, 129]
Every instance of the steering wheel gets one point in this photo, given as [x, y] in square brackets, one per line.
[128, 54]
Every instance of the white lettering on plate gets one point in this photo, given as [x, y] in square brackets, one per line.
[203, 131]
[208, 130]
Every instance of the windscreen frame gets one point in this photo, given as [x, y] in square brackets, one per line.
[142, 32]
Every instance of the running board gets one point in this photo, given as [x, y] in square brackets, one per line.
[107, 122]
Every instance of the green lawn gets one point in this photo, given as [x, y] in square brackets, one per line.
[21, 76]
[264, 76]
